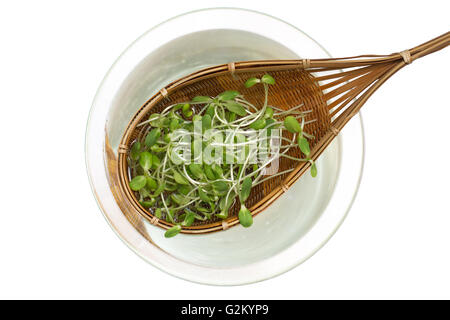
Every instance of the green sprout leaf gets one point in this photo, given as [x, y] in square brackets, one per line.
[218, 171]
[245, 217]
[203, 196]
[230, 116]
[220, 187]
[155, 161]
[170, 187]
[158, 213]
[209, 172]
[228, 95]
[201, 99]
[179, 178]
[222, 215]
[304, 145]
[152, 137]
[154, 119]
[157, 149]
[196, 170]
[151, 184]
[147, 204]
[270, 126]
[313, 169]
[292, 125]
[172, 232]
[138, 183]
[235, 107]
[268, 113]
[245, 189]
[188, 218]
[178, 199]
[251, 82]
[206, 122]
[267, 79]
[169, 215]
[135, 150]
[165, 122]
[159, 190]
[145, 160]
[186, 109]
[183, 189]
[258, 124]
[173, 124]
[225, 204]
[210, 111]
[144, 193]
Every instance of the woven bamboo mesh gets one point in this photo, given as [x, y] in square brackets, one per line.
[334, 89]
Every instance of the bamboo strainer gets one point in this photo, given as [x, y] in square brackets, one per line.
[334, 89]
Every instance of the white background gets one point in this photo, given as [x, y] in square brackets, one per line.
[55, 243]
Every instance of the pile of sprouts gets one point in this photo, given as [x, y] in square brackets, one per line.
[193, 164]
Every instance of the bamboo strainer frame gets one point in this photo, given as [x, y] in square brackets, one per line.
[335, 89]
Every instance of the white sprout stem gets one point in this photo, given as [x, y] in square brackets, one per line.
[273, 176]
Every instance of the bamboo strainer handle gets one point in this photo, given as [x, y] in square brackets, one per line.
[428, 47]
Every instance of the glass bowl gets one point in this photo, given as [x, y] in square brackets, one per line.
[290, 230]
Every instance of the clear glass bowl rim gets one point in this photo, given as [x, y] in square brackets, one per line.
[172, 265]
